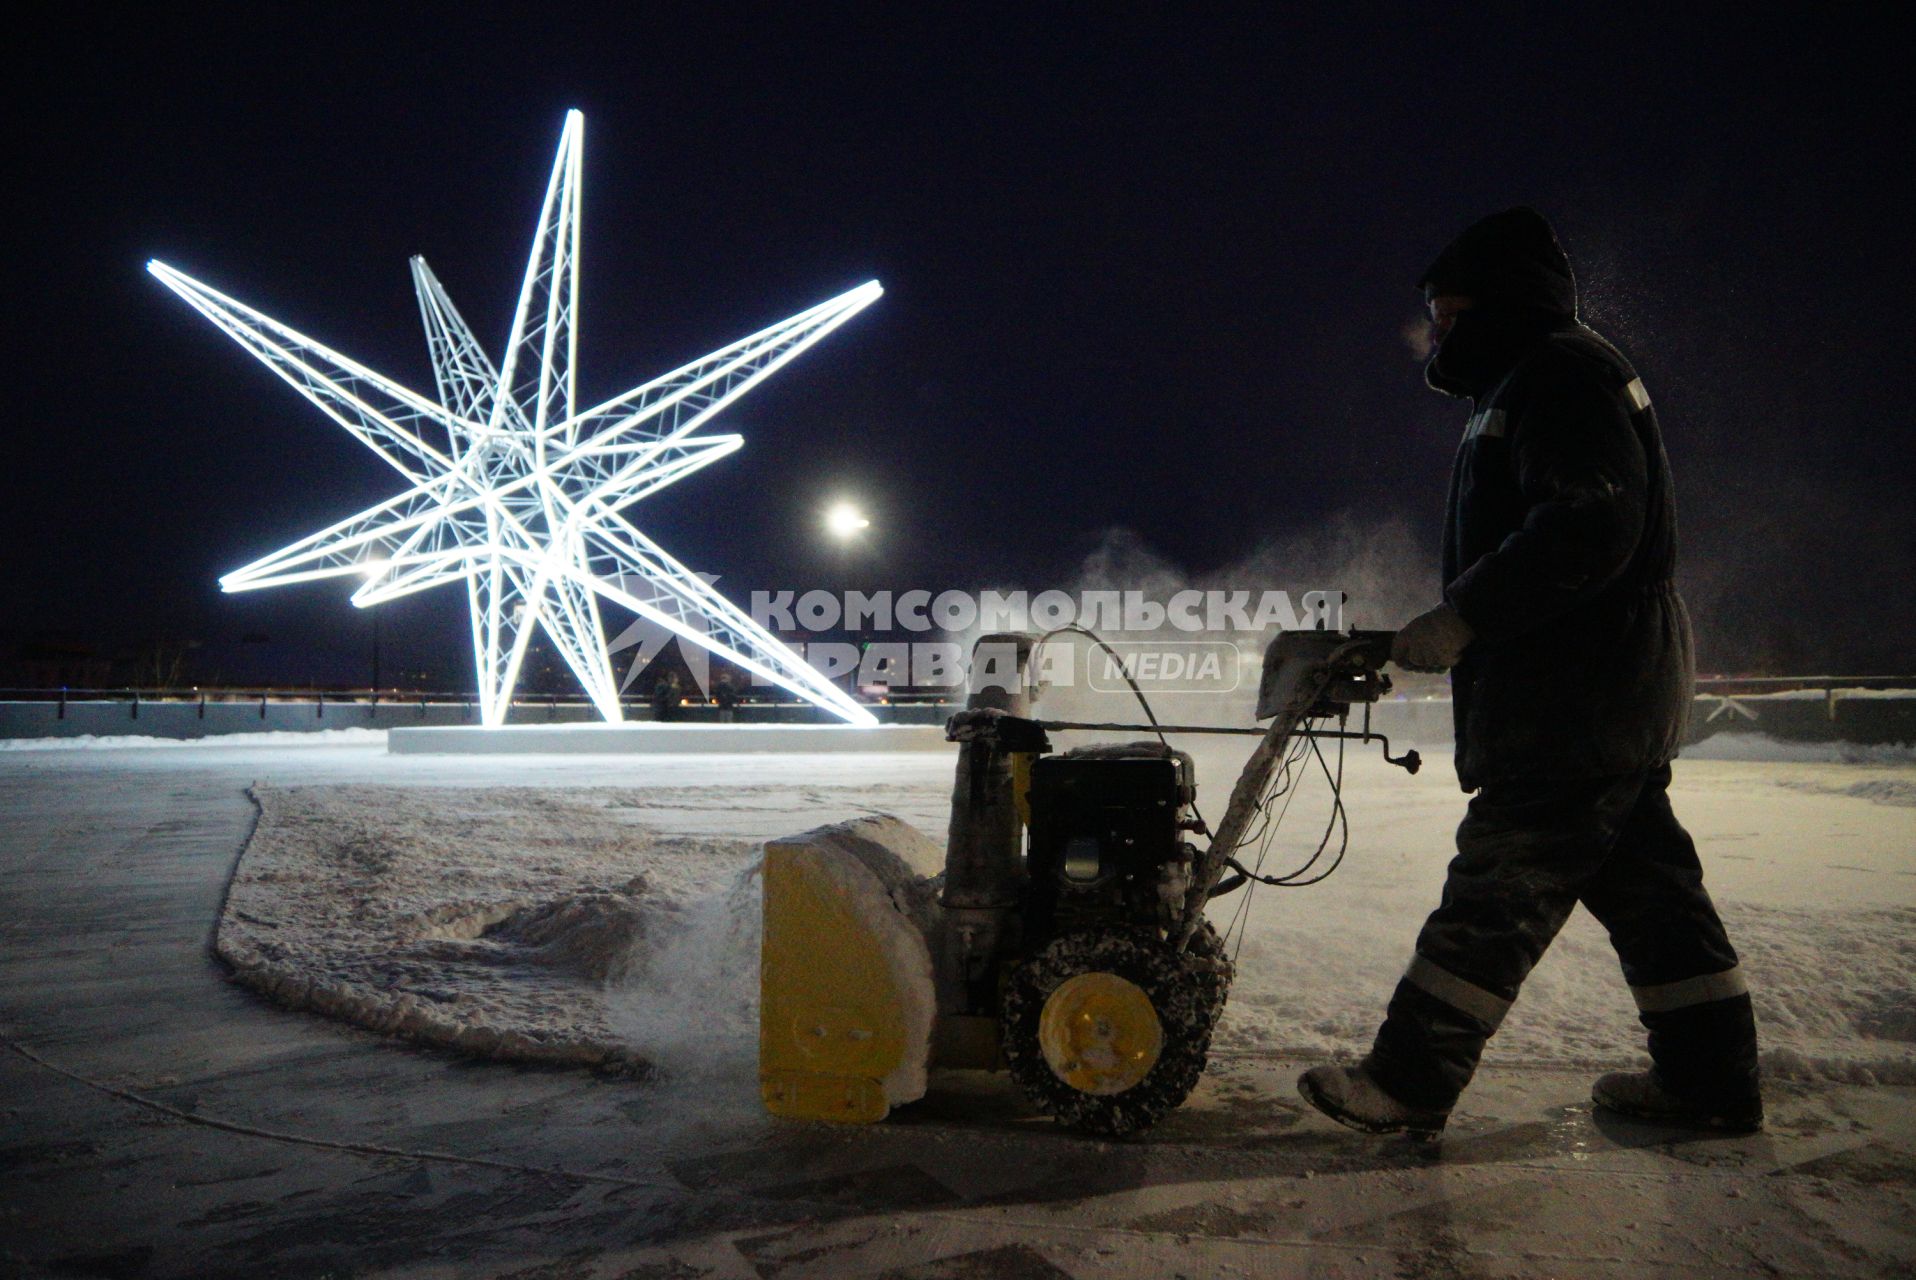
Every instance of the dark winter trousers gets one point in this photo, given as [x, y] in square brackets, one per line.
[1527, 853]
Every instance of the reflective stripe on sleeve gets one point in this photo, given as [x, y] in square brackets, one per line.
[1466, 997]
[1638, 397]
[1488, 423]
[1666, 997]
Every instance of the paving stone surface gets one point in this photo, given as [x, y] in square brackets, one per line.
[156, 1120]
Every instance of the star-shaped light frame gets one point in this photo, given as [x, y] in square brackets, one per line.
[515, 491]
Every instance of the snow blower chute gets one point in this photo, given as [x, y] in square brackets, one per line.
[1060, 932]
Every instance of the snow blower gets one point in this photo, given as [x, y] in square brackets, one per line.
[1060, 933]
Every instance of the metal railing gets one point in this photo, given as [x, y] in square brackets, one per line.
[1787, 684]
[133, 697]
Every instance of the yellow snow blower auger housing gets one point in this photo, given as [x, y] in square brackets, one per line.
[1058, 933]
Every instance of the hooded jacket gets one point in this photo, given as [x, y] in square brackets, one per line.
[1560, 528]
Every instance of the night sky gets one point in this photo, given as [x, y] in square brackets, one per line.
[1145, 269]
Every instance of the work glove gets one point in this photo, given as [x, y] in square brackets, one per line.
[1432, 641]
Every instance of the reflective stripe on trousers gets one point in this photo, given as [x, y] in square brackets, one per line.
[1527, 854]
[1486, 1006]
[1668, 997]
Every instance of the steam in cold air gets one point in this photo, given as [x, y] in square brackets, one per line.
[1384, 571]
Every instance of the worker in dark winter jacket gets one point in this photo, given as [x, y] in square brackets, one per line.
[1571, 673]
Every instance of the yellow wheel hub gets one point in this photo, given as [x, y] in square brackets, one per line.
[1099, 1033]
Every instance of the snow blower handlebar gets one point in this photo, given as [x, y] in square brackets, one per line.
[1306, 674]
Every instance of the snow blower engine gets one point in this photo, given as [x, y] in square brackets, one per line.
[1060, 931]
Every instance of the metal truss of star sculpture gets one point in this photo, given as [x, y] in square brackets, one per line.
[515, 490]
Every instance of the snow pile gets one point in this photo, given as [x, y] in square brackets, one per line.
[487, 921]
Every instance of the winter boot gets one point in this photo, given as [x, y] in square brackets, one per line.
[1638, 1094]
[1349, 1096]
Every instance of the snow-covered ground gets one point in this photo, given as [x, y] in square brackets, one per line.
[1812, 862]
[116, 860]
[216, 742]
[1812, 865]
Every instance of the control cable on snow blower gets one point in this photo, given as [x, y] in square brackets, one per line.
[1306, 738]
[1304, 741]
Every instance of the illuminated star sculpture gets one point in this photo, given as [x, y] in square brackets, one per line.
[515, 490]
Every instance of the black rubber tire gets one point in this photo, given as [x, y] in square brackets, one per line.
[1187, 992]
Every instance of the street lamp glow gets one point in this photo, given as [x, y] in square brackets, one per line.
[845, 521]
[513, 488]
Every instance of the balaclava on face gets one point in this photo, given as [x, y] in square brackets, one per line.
[1483, 344]
[1521, 287]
